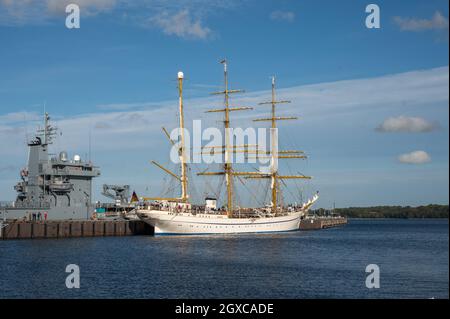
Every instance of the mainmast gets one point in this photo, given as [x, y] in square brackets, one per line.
[229, 148]
[227, 166]
[274, 154]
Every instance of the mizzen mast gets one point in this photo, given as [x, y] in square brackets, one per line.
[274, 153]
[228, 148]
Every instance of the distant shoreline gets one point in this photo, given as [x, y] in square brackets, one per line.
[429, 211]
[405, 212]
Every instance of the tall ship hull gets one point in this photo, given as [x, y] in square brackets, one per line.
[189, 224]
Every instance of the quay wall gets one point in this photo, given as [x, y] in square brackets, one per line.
[73, 229]
[321, 223]
[101, 228]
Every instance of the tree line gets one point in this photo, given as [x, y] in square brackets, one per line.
[429, 211]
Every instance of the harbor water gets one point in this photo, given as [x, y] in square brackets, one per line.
[412, 255]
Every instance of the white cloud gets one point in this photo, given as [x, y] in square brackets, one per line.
[437, 22]
[279, 15]
[125, 106]
[406, 124]
[180, 24]
[182, 18]
[416, 157]
[16, 117]
[21, 12]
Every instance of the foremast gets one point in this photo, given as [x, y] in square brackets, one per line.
[182, 150]
[183, 179]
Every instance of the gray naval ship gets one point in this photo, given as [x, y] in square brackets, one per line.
[54, 186]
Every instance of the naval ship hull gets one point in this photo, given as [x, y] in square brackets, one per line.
[54, 213]
[166, 223]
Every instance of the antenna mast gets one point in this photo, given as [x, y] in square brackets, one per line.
[90, 143]
[48, 131]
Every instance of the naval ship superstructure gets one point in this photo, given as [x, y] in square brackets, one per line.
[54, 186]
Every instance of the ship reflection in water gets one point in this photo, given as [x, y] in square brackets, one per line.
[412, 256]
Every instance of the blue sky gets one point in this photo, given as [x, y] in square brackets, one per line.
[115, 77]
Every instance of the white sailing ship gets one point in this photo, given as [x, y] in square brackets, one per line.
[178, 216]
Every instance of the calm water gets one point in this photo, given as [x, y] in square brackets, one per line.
[412, 256]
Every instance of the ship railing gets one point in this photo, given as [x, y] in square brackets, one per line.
[74, 170]
[241, 213]
[176, 210]
[32, 206]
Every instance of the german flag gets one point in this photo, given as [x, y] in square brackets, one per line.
[134, 198]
